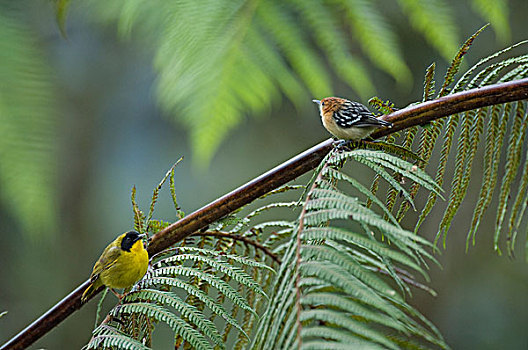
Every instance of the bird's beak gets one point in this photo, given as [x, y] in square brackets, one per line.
[142, 235]
[316, 101]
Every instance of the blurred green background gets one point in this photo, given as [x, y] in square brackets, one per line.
[94, 116]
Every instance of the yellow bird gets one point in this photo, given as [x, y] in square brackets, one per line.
[123, 263]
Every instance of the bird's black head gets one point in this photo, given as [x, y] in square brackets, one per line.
[130, 238]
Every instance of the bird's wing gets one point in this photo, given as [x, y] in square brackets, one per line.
[357, 115]
[107, 259]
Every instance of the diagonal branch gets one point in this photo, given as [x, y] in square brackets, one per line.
[411, 116]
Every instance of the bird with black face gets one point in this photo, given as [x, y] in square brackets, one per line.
[121, 265]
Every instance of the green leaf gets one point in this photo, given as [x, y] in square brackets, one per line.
[434, 19]
[497, 13]
[61, 11]
[28, 125]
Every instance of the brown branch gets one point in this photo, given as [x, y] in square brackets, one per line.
[287, 171]
[244, 239]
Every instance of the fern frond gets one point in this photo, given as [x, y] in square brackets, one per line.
[362, 242]
[346, 262]
[211, 280]
[187, 311]
[452, 124]
[207, 300]
[433, 18]
[428, 139]
[473, 127]
[513, 158]
[323, 22]
[233, 272]
[335, 174]
[399, 165]
[455, 64]
[518, 209]
[429, 83]
[462, 82]
[496, 132]
[376, 38]
[155, 193]
[28, 125]
[281, 26]
[385, 107]
[335, 279]
[495, 12]
[380, 171]
[392, 148]
[348, 324]
[161, 314]
[220, 61]
[139, 217]
[342, 340]
[233, 258]
[108, 337]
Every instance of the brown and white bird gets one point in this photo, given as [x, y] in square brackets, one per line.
[348, 120]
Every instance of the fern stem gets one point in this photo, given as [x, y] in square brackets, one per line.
[246, 240]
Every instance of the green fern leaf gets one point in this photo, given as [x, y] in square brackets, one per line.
[28, 125]
[496, 131]
[335, 174]
[495, 12]
[179, 326]
[429, 83]
[455, 64]
[108, 337]
[452, 124]
[434, 19]
[334, 233]
[207, 300]
[376, 38]
[348, 323]
[517, 135]
[187, 311]
[330, 38]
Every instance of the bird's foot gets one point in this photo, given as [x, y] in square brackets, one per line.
[342, 145]
[119, 296]
[346, 145]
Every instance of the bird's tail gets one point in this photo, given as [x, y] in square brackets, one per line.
[385, 123]
[89, 291]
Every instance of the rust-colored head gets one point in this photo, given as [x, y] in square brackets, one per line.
[329, 105]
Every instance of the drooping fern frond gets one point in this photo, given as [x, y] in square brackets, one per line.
[220, 60]
[434, 20]
[28, 127]
[341, 283]
[431, 133]
[491, 123]
[465, 130]
[496, 13]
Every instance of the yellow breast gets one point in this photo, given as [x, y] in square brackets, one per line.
[129, 268]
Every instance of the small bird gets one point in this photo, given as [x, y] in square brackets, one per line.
[348, 120]
[123, 263]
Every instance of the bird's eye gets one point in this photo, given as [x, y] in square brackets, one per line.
[322, 103]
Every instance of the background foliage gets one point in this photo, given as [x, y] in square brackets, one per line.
[109, 136]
